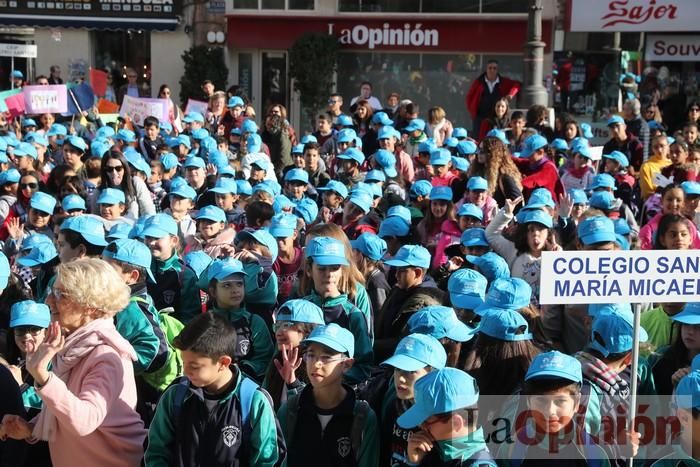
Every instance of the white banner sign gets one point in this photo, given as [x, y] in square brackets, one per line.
[672, 48]
[18, 50]
[634, 15]
[138, 108]
[658, 276]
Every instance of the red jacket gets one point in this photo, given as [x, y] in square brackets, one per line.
[545, 176]
[506, 87]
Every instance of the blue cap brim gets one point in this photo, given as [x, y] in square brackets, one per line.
[94, 239]
[396, 263]
[28, 261]
[460, 332]
[552, 373]
[391, 172]
[330, 260]
[466, 302]
[475, 242]
[405, 363]
[281, 232]
[208, 217]
[330, 343]
[414, 416]
[155, 232]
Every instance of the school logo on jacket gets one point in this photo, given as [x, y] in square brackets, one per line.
[229, 434]
[169, 297]
[344, 446]
[244, 346]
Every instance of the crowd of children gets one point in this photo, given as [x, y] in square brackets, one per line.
[357, 307]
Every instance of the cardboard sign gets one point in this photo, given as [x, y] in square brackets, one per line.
[109, 119]
[98, 81]
[45, 99]
[639, 276]
[196, 106]
[15, 104]
[4, 95]
[138, 108]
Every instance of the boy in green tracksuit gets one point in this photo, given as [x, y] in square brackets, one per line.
[325, 424]
[173, 284]
[214, 416]
[157, 364]
[254, 346]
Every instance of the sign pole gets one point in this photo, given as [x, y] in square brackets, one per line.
[635, 369]
[12, 67]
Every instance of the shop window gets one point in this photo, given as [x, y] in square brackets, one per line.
[394, 6]
[274, 4]
[427, 79]
[504, 6]
[117, 51]
[451, 6]
[435, 6]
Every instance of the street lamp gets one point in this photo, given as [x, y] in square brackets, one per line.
[533, 91]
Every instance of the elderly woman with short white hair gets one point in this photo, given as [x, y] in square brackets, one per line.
[88, 391]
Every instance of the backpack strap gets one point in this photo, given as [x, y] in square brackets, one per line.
[248, 388]
[181, 386]
[358, 426]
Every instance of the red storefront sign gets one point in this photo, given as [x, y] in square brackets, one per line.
[449, 35]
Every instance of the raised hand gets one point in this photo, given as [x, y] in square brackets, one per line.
[38, 358]
[511, 204]
[291, 361]
[419, 445]
[15, 229]
[565, 205]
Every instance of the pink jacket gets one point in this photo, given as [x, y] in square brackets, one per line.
[212, 247]
[449, 235]
[93, 402]
[490, 208]
[647, 232]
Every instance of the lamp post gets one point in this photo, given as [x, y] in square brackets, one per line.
[533, 91]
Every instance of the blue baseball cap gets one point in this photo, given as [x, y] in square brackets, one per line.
[687, 393]
[198, 262]
[386, 132]
[160, 225]
[615, 120]
[440, 391]
[554, 364]
[467, 289]
[471, 210]
[326, 251]
[212, 213]
[249, 126]
[169, 161]
[130, 251]
[199, 134]
[57, 130]
[417, 351]
[459, 132]
[105, 132]
[533, 144]
[184, 140]
[420, 188]
[441, 193]
[560, 144]
[427, 146]
[346, 135]
[43, 202]
[689, 188]
[499, 134]
[125, 135]
[41, 253]
[262, 163]
[352, 154]
[4, 270]
[602, 181]
[616, 331]
[596, 229]
[297, 175]
[183, 190]
[540, 198]
[393, 226]
[36, 138]
[415, 124]
[381, 118]
[344, 120]
[27, 122]
[282, 203]
[621, 226]
[99, 148]
[387, 162]
[26, 149]
[261, 236]
[16, 74]
[491, 265]
[118, 231]
[268, 186]
[410, 255]
[619, 157]
[335, 186]
[244, 187]
[32, 240]
[235, 101]
[220, 269]
[362, 200]
[451, 142]
[578, 196]
[307, 209]
[583, 150]
[460, 164]
[602, 200]
[440, 322]
[306, 139]
[370, 245]
[689, 315]
[586, 130]
[505, 325]
[477, 183]
[474, 236]
[111, 196]
[440, 156]
[506, 294]
[300, 311]
[193, 117]
[225, 186]
[334, 337]
[535, 216]
[298, 149]
[283, 225]
[89, 227]
[399, 211]
[30, 313]
[375, 175]
[466, 148]
[195, 162]
[10, 176]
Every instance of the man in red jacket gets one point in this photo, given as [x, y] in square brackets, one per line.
[538, 171]
[488, 88]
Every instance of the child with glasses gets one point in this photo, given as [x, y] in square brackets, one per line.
[286, 374]
[325, 424]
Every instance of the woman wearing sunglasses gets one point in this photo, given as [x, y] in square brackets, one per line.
[19, 211]
[116, 173]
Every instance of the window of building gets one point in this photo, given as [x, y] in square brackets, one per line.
[274, 4]
[434, 6]
[119, 51]
[427, 79]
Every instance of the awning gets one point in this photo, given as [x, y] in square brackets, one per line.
[89, 22]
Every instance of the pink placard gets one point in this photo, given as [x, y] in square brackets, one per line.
[45, 99]
[15, 104]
